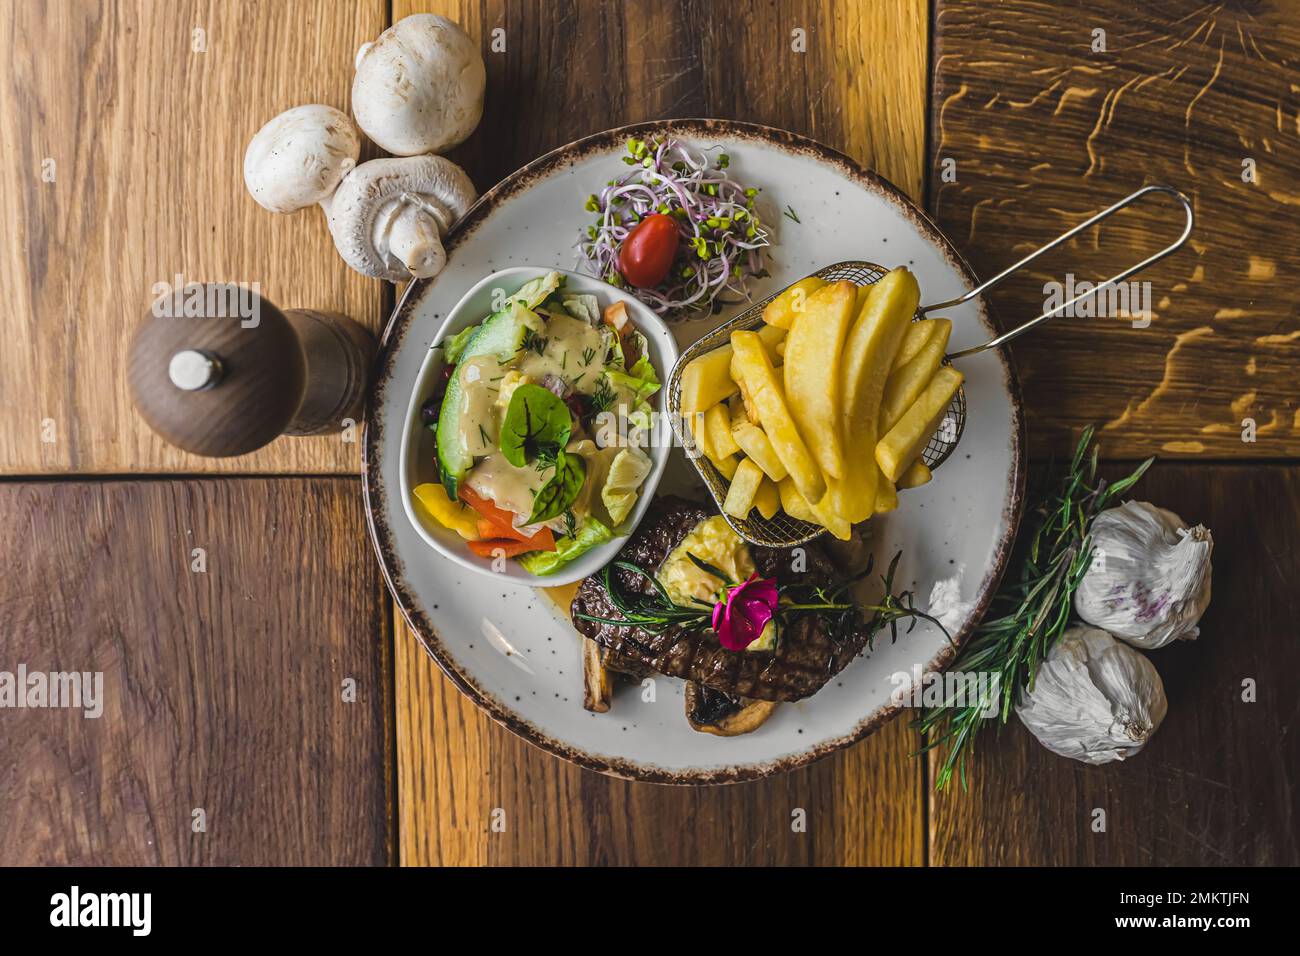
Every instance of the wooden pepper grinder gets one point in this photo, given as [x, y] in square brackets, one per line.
[218, 370]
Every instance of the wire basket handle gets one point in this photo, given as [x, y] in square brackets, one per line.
[1112, 281]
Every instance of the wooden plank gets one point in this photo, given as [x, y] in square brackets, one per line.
[855, 78]
[1044, 132]
[121, 157]
[1214, 786]
[443, 763]
[860, 86]
[223, 688]
[456, 769]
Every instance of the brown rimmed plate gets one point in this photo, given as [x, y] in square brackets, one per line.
[511, 649]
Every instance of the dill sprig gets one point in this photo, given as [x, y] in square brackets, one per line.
[533, 341]
[1028, 616]
[604, 395]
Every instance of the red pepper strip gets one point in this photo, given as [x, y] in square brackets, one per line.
[499, 523]
[487, 548]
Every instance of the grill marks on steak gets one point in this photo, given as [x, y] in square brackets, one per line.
[805, 658]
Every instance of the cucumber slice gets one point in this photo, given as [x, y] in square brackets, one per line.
[502, 335]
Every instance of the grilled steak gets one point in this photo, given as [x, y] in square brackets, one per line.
[805, 657]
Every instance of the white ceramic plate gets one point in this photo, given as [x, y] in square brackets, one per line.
[418, 464]
[510, 647]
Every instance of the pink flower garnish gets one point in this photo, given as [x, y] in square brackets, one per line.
[743, 612]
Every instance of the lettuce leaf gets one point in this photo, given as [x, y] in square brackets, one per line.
[613, 347]
[454, 346]
[591, 534]
[536, 291]
[622, 483]
[583, 307]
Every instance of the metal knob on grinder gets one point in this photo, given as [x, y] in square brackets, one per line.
[218, 370]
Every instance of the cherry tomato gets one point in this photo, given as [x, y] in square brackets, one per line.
[648, 251]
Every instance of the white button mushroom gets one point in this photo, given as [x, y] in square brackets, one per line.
[299, 158]
[389, 216]
[419, 87]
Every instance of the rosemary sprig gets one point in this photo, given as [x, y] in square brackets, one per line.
[844, 618]
[657, 612]
[654, 613]
[1028, 616]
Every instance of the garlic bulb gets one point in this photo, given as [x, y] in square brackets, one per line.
[1149, 582]
[1094, 699]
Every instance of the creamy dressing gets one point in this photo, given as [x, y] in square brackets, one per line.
[480, 423]
[514, 487]
[510, 486]
[574, 351]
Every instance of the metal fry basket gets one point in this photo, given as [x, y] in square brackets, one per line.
[783, 531]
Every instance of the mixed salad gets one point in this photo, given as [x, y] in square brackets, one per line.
[537, 421]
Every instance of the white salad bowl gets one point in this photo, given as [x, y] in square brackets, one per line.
[418, 457]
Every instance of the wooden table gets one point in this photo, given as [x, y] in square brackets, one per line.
[270, 686]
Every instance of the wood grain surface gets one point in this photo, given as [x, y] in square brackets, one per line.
[575, 68]
[472, 793]
[1215, 785]
[1044, 131]
[122, 131]
[122, 135]
[223, 688]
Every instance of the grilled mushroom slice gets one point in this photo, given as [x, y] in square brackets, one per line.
[713, 712]
[597, 685]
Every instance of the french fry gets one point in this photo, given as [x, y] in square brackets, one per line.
[793, 503]
[812, 357]
[772, 338]
[829, 518]
[868, 354]
[744, 487]
[918, 473]
[753, 442]
[781, 311]
[908, 381]
[717, 424]
[904, 442]
[707, 380]
[727, 466]
[748, 403]
[698, 427]
[767, 399]
[886, 496]
[739, 415]
[861, 299]
[918, 333]
[768, 498]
